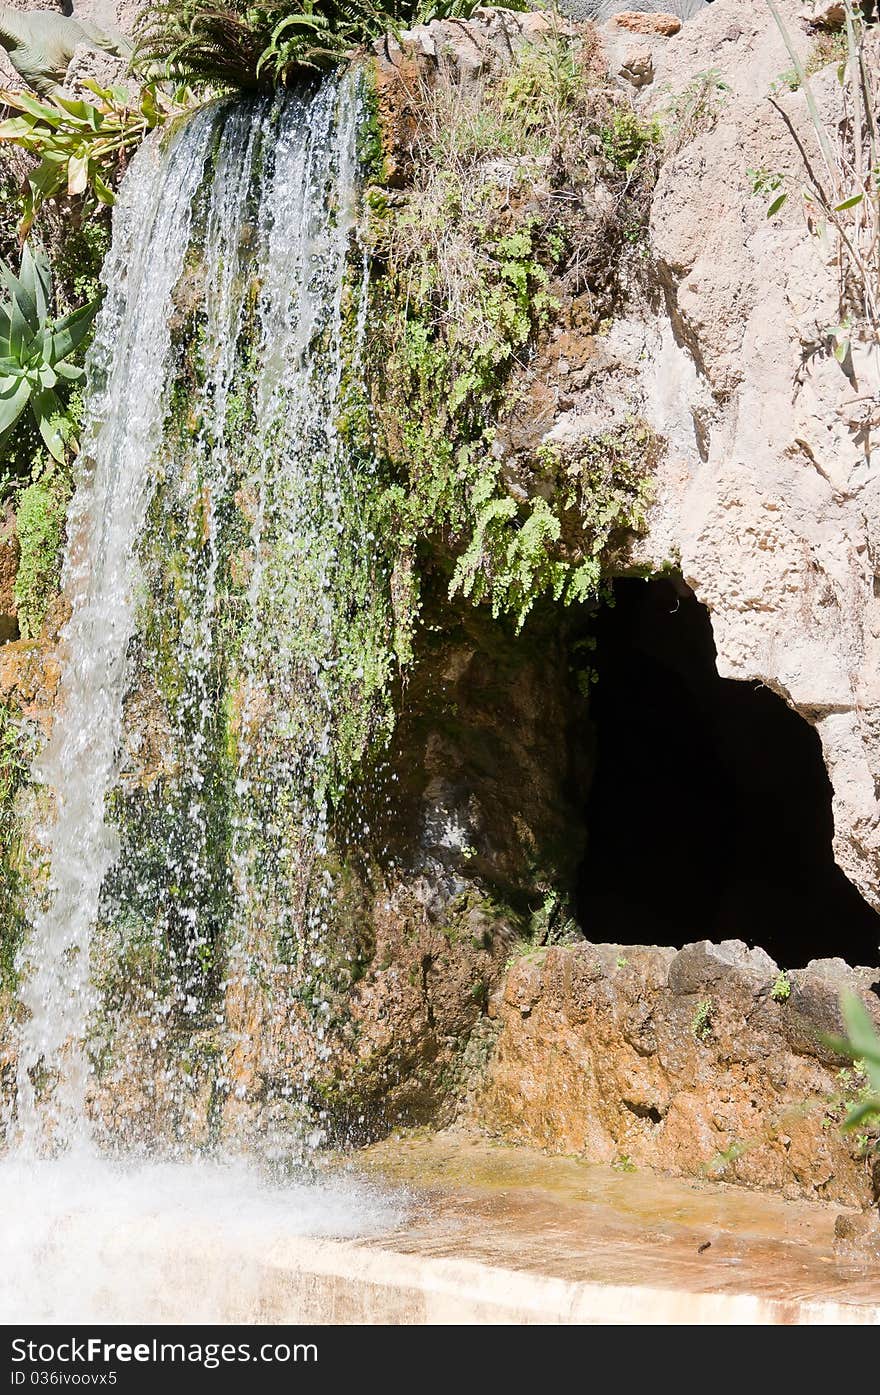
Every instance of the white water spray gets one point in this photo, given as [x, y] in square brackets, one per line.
[125, 411]
[235, 293]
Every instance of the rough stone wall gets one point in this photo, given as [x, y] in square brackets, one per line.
[701, 1062]
[769, 495]
[766, 500]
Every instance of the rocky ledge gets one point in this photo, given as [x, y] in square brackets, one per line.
[704, 1061]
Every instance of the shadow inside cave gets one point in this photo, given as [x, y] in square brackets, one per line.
[709, 813]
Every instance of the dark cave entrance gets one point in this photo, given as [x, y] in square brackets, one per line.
[709, 813]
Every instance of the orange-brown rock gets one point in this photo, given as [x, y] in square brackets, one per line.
[29, 676]
[638, 23]
[679, 1060]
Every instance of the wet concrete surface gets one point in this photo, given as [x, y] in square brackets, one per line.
[566, 1219]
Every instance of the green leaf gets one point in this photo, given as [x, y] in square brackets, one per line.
[862, 1034]
[50, 176]
[35, 276]
[22, 102]
[13, 403]
[776, 205]
[81, 112]
[841, 349]
[19, 330]
[860, 1112]
[71, 331]
[848, 203]
[16, 127]
[103, 191]
[16, 289]
[69, 371]
[307, 22]
[50, 419]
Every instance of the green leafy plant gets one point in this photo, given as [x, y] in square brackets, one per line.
[862, 1044]
[82, 147]
[237, 44]
[36, 352]
[470, 262]
[625, 137]
[701, 1022]
[766, 183]
[781, 990]
[695, 110]
[218, 44]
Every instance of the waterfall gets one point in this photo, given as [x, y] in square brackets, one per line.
[222, 576]
[125, 414]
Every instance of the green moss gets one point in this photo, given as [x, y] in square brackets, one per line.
[77, 261]
[701, 1022]
[14, 764]
[40, 515]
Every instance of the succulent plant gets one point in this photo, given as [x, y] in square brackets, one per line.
[36, 351]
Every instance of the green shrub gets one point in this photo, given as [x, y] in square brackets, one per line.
[38, 353]
[626, 138]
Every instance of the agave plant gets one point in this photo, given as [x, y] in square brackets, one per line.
[35, 351]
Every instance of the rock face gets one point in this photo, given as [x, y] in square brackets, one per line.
[472, 825]
[768, 496]
[702, 1062]
[770, 493]
[641, 23]
[601, 10]
[705, 1061]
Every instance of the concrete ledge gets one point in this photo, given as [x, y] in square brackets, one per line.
[324, 1282]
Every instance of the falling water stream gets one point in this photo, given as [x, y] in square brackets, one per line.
[216, 509]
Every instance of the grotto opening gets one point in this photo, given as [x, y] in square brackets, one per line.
[709, 812]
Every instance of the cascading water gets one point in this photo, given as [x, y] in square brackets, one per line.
[125, 415]
[225, 588]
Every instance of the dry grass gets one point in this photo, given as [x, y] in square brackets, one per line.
[522, 149]
[842, 190]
